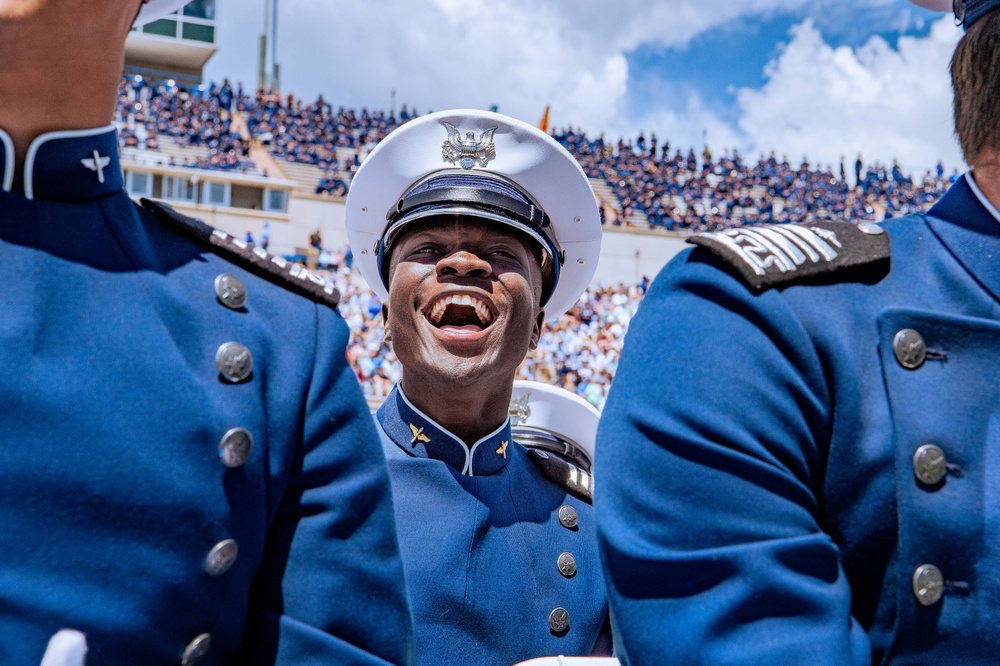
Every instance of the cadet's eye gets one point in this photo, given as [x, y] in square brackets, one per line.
[503, 253]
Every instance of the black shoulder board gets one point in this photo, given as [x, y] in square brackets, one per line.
[780, 254]
[279, 270]
[564, 474]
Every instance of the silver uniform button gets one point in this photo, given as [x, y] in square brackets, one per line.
[909, 348]
[221, 558]
[196, 650]
[870, 228]
[930, 464]
[559, 620]
[568, 516]
[567, 565]
[928, 584]
[230, 291]
[235, 447]
[234, 361]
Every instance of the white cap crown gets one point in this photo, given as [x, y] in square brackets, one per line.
[152, 10]
[466, 141]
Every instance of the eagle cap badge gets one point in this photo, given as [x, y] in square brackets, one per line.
[520, 409]
[468, 152]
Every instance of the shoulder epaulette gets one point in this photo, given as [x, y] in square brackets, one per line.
[782, 254]
[564, 474]
[275, 269]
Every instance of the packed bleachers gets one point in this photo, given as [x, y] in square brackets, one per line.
[650, 186]
[640, 184]
[682, 193]
[192, 128]
[316, 134]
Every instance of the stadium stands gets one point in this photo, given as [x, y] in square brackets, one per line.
[640, 185]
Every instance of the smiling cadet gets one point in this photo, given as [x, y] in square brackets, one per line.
[492, 228]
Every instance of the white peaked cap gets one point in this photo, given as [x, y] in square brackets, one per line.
[467, 142]
[157, 9]
[538, 406]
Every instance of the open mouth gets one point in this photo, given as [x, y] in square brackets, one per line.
[460, 311]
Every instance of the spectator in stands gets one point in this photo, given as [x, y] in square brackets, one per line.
[314, 249]
[186, 473]
[468, 261]
[797, 458]
[265, 235]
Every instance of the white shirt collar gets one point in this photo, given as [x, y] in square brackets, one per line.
[987, 204]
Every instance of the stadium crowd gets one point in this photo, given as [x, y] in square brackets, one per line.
[673, 191]
[202, 116]
[682, 193]
[653, 186]
[316, 134]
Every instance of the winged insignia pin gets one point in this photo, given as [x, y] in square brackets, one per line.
[96, 164]
[468, 152]
[418, 435]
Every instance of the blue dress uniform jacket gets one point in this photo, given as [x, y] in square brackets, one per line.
[491, 567]
[767, 495]
[130, 508]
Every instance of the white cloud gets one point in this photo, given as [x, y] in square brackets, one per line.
[437, 54]
[525, 54]
[519, 54]
[887, 103]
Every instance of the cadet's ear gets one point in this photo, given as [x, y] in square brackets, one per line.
[536, 332]
[385, 323]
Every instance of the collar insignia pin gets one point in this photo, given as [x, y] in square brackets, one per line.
[468, 152]
[503, 449]
[97, 163]
[418, 435]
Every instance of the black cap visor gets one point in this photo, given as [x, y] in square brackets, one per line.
[484, 196]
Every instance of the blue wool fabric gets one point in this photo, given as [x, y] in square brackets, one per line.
[112, 490]
[481, 540]
[758, 502]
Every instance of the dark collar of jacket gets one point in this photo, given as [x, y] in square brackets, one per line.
[970, 232]
[66, 166]
[420, 436]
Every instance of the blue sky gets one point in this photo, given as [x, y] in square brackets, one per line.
[734, 55]
[806, 78]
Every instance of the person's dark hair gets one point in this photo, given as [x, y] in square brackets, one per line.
[975, 77]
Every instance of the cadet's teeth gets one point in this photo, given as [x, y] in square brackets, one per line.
[482, 311]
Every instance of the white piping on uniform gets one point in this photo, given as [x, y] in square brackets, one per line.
[8, 166]
[467, 468]
[29, 159]
[987, 204]
[476, 445]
